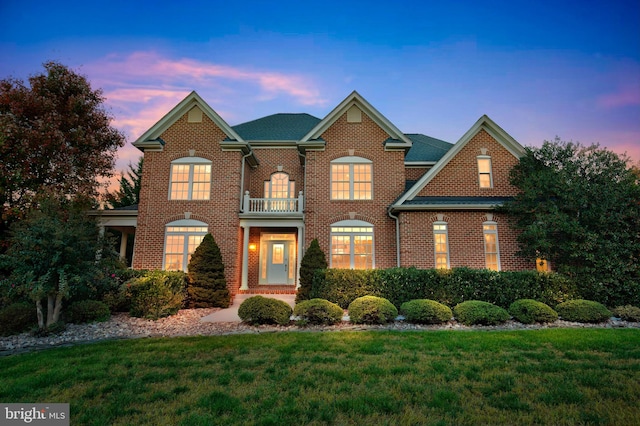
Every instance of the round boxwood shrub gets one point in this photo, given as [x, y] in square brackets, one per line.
[476, 312]
[528, 311]
[372, 310]
[265, 310]
[583, 311]
[425, 311]
[87, 311]
[17, 318]
[627, 313]
[318, 311]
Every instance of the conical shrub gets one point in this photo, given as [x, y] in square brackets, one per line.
[207, 286]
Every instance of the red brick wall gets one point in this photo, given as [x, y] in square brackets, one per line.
[220, 212]
[460, 176]
[466, 240]
[415, 173]
[270, 159]
[366, 139]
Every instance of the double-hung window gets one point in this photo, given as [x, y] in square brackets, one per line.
[491, 247]
[182, 237]
[190, 179]
[352, 245]
[485, 177]
[441, 245]
[351, 179]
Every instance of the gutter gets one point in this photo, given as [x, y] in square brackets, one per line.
[397, 235]
[242, 179]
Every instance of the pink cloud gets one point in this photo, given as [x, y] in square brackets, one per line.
[626, 96]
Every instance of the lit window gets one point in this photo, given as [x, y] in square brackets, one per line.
[280, 191]
[441, 245]
[542, 265]
[484, 172]
[182, 238]
[351, 179]
[491, 249]
[190, 179]
[352, 245]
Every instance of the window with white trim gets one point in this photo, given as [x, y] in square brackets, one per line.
[441, 245]
[279, 186]
[491, 247]
[351, 179]
[485, 177]
[190, 179]
[181, 239]
[352, 245]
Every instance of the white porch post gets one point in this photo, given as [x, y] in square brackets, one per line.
[245, 258]
[123, 245]
[300, 253]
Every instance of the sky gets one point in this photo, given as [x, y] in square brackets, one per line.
[540, 70]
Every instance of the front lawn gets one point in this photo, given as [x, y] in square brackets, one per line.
[554, 377]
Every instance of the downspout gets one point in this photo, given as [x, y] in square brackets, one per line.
[397, 234]
[242, 180]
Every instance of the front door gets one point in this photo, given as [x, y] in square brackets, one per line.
[278, 262]
[278, 259]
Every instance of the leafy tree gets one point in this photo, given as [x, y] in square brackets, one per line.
[312, 260]
[55, 135]
[579, 208]
[129, 192]
[207, 285]
[53, 254]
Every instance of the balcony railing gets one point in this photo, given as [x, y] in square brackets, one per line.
[273, 205]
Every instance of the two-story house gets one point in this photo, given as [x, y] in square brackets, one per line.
[373, 196]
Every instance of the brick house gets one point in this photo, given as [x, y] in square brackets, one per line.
[374, 197]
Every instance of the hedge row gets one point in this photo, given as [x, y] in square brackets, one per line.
[450, 287]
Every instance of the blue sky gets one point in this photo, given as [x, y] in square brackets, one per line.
[539, 69]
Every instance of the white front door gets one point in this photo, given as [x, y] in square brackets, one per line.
[278, 259]
[278, 262]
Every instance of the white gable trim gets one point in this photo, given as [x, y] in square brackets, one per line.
[483, 122]
[355, 99]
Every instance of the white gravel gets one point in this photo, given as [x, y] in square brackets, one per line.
[187, 323]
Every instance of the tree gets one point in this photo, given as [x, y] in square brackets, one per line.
[579, 208]
[53, 253]
[207, 286]
[129, 192]
[312, 260]
[55, 135]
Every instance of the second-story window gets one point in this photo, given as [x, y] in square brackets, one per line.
[351, 179]
[485, 177]
[190, 179]
[279, 186]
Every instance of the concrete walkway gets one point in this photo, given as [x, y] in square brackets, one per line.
[230, 314]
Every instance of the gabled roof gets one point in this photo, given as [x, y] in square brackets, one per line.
[400, 140]
[426, 149]
[277, 127]
[151, 138]
[483, 123]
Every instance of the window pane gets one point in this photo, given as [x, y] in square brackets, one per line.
[340, 261]
[485, 181]
[484, 165]
[362, 262]
[340, 244]
[180, 173]
[441, 261]
[175, 244]
[173, 262]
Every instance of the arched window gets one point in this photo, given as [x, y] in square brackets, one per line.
[351, 179]
[279, 186]
[352, 245]
[190, 179]
[181, 239]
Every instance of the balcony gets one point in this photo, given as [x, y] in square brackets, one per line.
[272, 207]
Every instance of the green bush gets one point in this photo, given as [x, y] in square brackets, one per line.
[627, 313]
[156, 294]
[318, 311]
[528, 311]
[17, 317]
[87, 311]
[372, 310]
[313, 260]
[265, 310]
[207, 285]
[425, 311]
[476, 312]
[343, 286]
[581, 310]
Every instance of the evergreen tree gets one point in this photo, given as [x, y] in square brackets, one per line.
[312, 260]
[207, 286]
[130, 184]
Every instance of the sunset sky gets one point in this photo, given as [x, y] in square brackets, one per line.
[539, 69]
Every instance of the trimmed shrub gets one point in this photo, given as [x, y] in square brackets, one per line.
[318, 311]
[265, 310]
[312, 260]
[528, 311]
[87, 311]
[17, 317]
[425, 311]
[343, 286]
[157, 294]
[581, 310]
[372, 310]
[476, 312]
[207, 285]
[627, 313]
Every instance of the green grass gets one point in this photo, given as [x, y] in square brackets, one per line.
[554, 377]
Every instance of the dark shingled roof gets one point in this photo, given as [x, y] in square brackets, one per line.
[426, 148]
[444, 201]
[277, 127]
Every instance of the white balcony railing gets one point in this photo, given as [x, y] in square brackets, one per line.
[272, 205]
